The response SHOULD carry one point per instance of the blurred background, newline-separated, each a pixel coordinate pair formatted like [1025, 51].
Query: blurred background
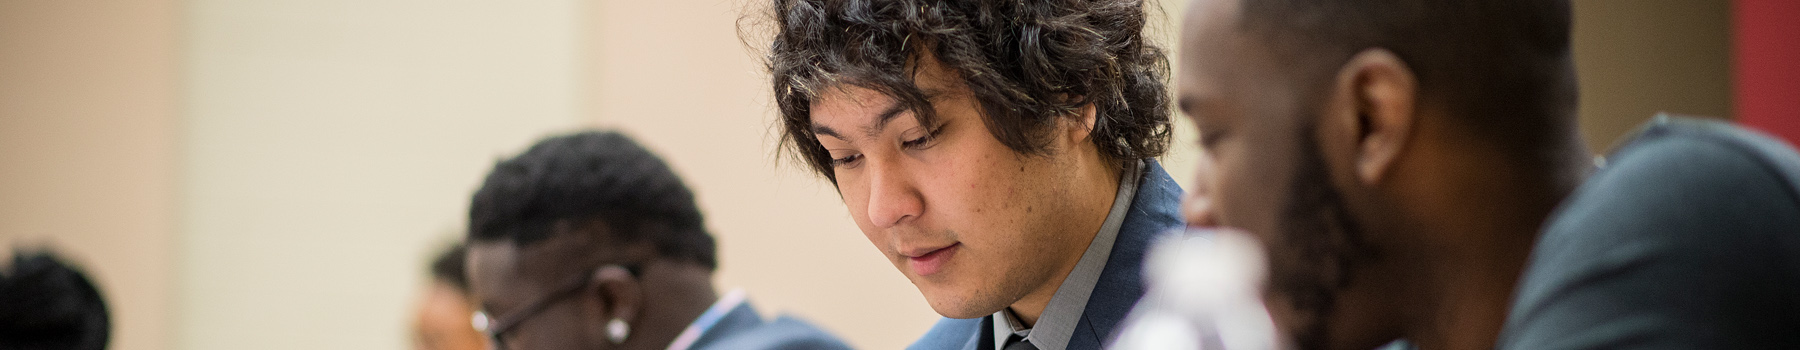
[276, 174]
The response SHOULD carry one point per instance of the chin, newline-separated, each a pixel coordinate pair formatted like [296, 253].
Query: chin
[952, 303]
[953, 309]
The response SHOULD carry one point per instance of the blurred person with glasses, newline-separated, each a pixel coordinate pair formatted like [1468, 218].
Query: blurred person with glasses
[589, 241]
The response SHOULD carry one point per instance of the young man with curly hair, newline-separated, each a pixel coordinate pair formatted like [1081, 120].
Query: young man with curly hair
[998, 153]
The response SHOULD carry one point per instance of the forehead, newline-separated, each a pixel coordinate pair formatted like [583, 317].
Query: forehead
[847, 105]
[493, 267]
[836, 105]
[501, 270]
[1208, 45]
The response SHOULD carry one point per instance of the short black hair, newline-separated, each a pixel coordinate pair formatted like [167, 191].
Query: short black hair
[449, 268]
[1502, 67]
[47, 304]
[1030, 64]
[591, 176]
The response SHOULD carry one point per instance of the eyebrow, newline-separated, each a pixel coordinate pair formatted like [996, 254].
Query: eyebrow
[881, 120]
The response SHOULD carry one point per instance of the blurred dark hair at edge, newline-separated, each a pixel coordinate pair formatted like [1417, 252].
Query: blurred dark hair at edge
[47, 304]
[448, 267]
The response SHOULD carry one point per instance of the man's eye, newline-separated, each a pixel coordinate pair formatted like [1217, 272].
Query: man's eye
[846, 161]
[1210, 137]
[915, 143]
[922, 141]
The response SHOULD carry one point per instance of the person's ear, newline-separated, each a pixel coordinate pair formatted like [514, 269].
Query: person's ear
[615, 299]
[1083, 127]
[1381, 93]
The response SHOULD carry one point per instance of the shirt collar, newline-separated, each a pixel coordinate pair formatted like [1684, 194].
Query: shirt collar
[708, 319]
[1058, 321]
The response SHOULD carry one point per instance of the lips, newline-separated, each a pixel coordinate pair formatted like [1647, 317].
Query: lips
[929, 262]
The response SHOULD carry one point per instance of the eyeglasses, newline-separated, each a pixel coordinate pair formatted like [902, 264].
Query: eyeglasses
[497, 327]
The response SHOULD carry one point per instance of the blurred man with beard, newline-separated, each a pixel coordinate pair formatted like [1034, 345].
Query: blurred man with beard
[1400, 158]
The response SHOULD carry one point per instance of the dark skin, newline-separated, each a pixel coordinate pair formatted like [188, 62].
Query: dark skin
[1438, 220]
[658, 303]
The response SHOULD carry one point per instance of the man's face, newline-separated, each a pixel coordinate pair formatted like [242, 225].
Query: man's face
[1262, 168]
[973, 224]
[506, 277]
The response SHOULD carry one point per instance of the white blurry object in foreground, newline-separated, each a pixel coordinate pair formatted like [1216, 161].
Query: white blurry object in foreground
[1204, 293]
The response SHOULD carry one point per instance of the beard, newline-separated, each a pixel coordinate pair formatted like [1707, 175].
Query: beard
[1318, 245]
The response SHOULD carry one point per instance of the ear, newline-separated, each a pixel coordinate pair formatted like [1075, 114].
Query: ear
[614, 294]
[1382, 94]
[1083, 127]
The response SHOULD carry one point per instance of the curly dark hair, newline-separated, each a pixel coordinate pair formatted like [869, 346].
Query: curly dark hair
[592, 176]
[1030, 63]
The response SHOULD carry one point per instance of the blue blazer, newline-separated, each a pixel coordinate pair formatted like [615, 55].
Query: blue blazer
[743, 329]
[1155, 210]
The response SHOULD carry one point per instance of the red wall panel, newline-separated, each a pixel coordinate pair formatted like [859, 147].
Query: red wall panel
[1766, 65]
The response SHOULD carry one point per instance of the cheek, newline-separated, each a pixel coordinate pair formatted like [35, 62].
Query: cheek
[854, 191]
[1246, 191]
[972, 193]
[855, 194]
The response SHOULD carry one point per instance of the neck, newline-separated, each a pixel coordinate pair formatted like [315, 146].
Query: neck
[673, 299]
[1468, 282]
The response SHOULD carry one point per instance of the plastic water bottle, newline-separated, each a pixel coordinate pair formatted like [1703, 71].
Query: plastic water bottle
[1204, 293]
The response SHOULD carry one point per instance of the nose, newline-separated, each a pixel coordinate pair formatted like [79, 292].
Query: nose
[1197, 210]
[1198, 207]
[892, 195]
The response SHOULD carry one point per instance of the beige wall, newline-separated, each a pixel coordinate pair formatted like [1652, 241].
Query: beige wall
[329, 146]
[87, 148]
[1637, 58]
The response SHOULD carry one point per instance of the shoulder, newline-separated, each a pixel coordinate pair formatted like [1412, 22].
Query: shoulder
[1682, 177]
[1689, 238]
[1155, 209]
[1682, 180]
[784, 332]
[1157, 194]
[950, 333]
